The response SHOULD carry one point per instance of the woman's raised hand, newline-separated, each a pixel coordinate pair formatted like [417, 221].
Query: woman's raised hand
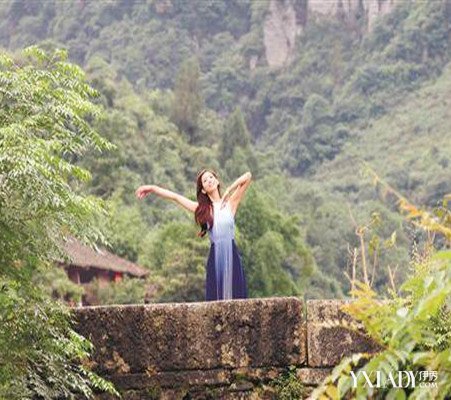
[144, 190]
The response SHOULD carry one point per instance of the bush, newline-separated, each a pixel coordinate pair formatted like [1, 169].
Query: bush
[413, 327]
[45, 106]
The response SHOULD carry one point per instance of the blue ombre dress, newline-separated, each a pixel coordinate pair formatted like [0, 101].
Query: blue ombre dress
[225, 274]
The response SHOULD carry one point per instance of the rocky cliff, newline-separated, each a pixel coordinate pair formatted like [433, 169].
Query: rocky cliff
[287, 19]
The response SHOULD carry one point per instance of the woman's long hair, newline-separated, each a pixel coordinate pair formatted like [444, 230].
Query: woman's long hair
[203, 214]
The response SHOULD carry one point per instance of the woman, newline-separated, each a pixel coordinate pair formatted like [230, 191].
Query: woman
[215, 215]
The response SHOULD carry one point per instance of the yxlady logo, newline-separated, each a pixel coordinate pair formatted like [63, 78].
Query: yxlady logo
[401, 379]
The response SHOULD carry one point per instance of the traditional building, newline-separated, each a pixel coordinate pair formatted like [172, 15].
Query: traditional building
[85, 264]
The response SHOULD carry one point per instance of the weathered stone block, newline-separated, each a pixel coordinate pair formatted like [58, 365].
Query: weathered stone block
[217, 350]
[312, 376]
[147, 339]
[172, 379]
[327, 344]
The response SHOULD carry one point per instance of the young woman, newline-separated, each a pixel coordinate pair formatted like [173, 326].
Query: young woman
[215, 215]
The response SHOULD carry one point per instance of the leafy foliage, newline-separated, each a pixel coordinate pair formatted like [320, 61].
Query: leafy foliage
[177, 260]
[348, 94]
[413, 327]
[187, 103]
[41, 354]
[45, 108]
[126, 291]
[274, 255]
[235, 151]
[287, 386]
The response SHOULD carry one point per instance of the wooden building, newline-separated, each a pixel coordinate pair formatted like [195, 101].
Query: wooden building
[85, 264]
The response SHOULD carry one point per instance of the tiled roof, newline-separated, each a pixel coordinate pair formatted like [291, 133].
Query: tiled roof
[85, 257]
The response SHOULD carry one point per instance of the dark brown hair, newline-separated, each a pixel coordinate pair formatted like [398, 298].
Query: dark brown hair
[203, 214]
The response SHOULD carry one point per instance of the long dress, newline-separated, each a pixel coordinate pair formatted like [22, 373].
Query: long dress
[225, 275]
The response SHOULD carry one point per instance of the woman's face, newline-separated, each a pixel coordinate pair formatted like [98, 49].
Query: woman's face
[209, 182]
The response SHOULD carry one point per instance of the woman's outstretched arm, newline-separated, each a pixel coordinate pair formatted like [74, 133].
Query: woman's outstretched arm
[144, 190]
[234, 193]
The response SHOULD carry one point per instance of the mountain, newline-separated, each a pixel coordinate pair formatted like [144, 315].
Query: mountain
[312, 88]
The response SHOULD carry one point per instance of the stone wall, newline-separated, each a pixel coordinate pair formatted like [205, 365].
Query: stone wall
[216, 350]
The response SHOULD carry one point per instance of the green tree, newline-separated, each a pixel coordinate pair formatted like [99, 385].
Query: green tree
[177, 259]
[187, 103]
[127, 291]
[235, 151]
[235, 135]
[131, 49]
[45, 106]
[275, 257]
[412, 326]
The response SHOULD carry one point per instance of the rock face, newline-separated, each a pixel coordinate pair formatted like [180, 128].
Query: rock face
[280, 30]
[222, 349]
[349, 9]
[286, 20]
[377, 8]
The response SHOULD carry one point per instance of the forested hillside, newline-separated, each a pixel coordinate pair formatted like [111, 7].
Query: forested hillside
[191, 84]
